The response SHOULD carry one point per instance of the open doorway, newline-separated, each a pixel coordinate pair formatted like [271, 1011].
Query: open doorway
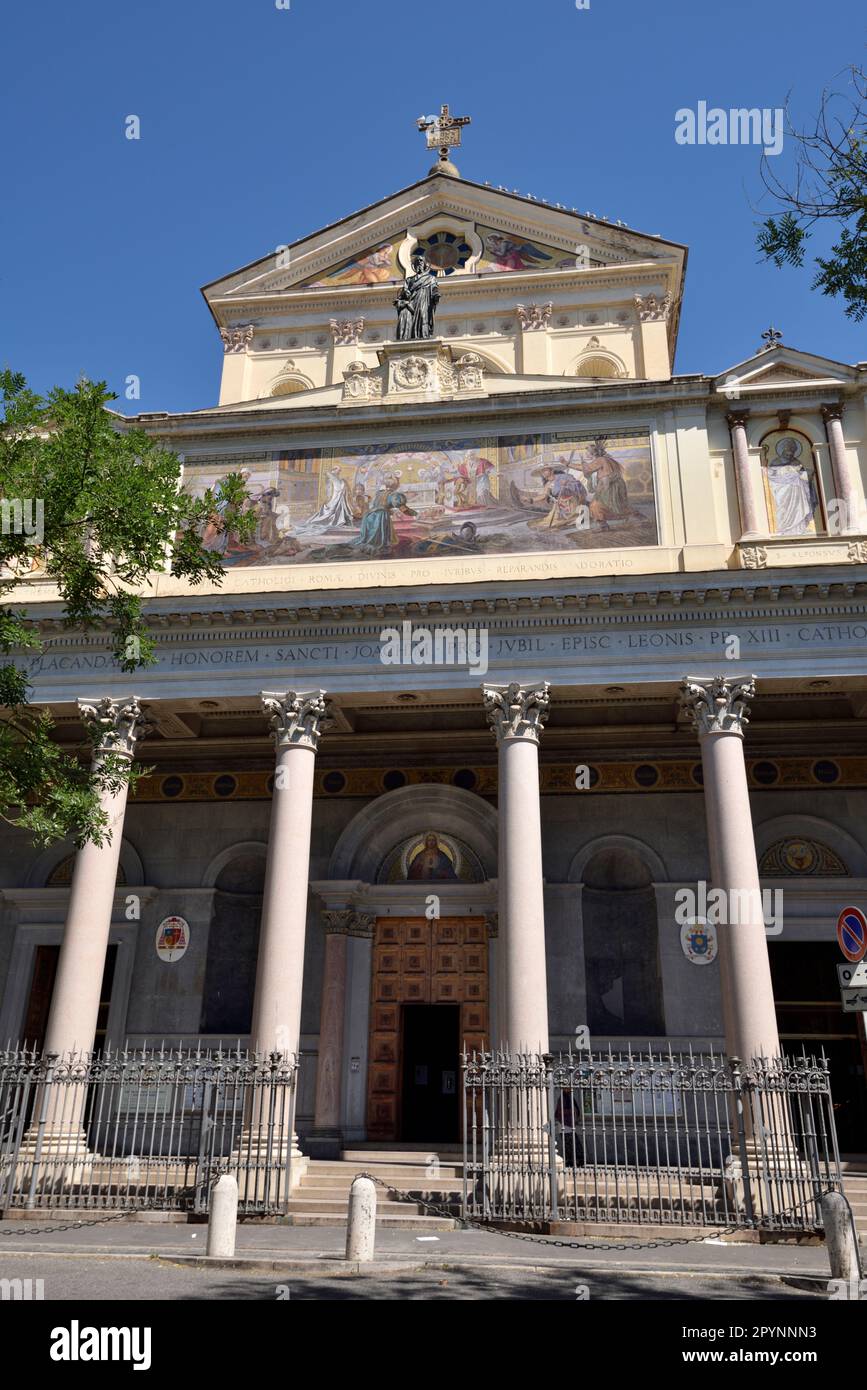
[431, 1073]
[809, 1015]
[42, 991]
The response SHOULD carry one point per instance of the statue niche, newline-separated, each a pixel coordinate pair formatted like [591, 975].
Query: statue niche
[417, 302]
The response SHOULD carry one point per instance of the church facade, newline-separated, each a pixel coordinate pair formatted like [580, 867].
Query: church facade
[537, 644]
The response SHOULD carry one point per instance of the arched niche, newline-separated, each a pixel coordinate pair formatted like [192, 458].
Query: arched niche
[380, 827]
[53, 868]
[598, 365]
[811, 829]
[238, 880]
[792, 483]
[621, 939]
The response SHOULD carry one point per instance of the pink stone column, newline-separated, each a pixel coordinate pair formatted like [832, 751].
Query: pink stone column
[329, 1069]
[74, 1010]
[843, 481]
[718, 708]
[296, 720]
[516, 714]
[749, 517]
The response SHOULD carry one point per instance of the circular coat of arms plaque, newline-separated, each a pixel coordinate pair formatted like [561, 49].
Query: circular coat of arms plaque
[698, 939]
[172, 939]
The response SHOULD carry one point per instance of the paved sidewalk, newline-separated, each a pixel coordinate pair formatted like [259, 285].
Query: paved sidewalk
[308, 1247]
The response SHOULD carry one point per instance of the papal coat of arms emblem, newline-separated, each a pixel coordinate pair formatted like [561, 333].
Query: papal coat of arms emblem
[698, 940]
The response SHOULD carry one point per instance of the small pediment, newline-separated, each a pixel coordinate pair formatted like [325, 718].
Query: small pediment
[781, 366]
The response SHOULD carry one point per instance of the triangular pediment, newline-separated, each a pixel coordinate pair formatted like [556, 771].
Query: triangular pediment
[467, 229]
[781, 366]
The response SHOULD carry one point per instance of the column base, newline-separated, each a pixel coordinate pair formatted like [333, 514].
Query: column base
[267, 1172]
[790, 1179]
[324, 1143]
[52, 1164]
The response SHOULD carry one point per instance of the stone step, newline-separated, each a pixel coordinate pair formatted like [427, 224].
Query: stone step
[341, 1186]
[390, 1172]
[313, 1201]
[412, 1222]
[395, 1157]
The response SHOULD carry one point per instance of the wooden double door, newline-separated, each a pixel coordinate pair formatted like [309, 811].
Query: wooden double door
[429, 1001]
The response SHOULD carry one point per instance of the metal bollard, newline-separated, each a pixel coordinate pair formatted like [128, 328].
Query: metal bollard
[840, 1238]
[223, 1217]
[361, 1228]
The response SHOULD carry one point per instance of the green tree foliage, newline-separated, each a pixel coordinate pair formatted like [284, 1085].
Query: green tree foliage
[829, 184]
[94, 507]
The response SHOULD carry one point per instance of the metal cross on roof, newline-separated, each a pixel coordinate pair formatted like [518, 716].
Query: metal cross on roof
[771, 338]
[443, 131]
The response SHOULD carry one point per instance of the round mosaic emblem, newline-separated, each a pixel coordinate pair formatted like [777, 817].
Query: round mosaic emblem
[799, 856]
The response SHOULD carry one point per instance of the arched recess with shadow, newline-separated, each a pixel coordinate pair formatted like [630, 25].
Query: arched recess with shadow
[364, 845]
[53, 868]
[621, 938]
[238, 880]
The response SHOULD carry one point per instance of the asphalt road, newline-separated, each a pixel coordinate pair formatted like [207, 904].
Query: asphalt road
[96, 1277]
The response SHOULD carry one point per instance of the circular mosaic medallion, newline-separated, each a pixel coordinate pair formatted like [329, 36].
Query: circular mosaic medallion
[446, 251]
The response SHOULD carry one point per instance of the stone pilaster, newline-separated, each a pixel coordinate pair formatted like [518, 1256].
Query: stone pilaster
[737, 421]
[844, 484]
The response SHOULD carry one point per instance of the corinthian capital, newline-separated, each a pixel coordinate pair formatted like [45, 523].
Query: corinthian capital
[716, 704]
[112, 725]
[297, 717]
[516, 711]
[337, 922]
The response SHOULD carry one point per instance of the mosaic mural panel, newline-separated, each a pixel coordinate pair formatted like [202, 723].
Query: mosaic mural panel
[374, 267]
[507, 495]
[504, 252]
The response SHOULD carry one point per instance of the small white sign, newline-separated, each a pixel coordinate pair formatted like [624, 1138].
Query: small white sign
[852, 975]
[172, 939]
[854, 1000]
[698, 941]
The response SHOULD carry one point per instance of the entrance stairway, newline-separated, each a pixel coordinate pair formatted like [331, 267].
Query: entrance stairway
[322, 1196]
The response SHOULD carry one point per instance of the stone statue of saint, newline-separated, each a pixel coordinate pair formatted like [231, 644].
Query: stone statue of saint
[416, 304]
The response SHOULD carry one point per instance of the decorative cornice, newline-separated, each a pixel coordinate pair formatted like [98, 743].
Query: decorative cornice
[824, 592]
[717, 704]
[596, 279]
[296, 717]
[516, 711]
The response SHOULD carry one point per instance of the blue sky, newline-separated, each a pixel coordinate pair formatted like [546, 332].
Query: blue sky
[260, 124]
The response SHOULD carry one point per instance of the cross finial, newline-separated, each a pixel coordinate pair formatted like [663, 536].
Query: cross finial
[771, 338]
[443, 133]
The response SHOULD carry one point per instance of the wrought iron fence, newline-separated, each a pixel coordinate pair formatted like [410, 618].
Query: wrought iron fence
[651, 1138]
[150, 1128]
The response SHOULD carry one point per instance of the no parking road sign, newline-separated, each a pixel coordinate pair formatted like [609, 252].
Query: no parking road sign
[852, 933]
